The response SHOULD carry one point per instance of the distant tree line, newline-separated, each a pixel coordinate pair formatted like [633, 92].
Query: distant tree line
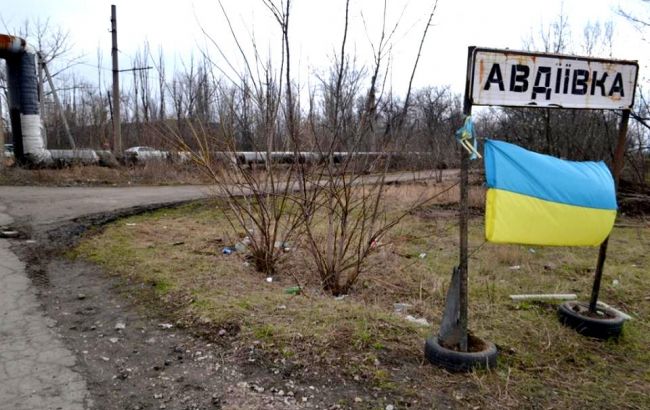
[159, 101]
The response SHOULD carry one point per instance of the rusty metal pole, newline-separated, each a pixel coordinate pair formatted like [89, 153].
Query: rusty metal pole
[464, 212]
[117, 130]
[617, 167]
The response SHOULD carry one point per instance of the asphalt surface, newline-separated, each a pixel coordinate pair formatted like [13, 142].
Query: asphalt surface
[36, 370]
[38, 206]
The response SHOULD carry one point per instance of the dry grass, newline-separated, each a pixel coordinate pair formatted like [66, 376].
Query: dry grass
[446, 193]
[360, 340]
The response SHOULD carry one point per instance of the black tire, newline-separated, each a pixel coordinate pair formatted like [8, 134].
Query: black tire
[460, 361]
[602, 328]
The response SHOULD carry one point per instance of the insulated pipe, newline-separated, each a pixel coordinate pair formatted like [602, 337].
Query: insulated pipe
[23, 103]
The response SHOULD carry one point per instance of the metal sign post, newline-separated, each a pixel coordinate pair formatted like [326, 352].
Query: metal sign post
[453, 329]
[525, 79]
[617, 167]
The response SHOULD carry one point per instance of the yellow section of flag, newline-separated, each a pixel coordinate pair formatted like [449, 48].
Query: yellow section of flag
[516, 218]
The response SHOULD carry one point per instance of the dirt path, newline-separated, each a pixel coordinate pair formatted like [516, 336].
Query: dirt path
[71, 339]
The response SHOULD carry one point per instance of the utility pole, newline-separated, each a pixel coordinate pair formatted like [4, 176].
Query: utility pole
[117, 131]
[41, 102]
[58, 103]
[2, 139]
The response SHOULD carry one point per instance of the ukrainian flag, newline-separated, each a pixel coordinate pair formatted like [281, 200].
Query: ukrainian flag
[537, 199]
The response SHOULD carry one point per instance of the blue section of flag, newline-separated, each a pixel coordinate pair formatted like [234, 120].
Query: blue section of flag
[512, 168]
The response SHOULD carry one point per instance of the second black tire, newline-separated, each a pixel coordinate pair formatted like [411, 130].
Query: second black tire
[608, 326]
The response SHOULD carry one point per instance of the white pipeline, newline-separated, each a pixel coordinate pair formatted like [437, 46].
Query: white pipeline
[33, 144]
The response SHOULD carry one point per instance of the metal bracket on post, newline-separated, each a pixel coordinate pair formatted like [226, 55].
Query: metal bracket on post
[451, 332]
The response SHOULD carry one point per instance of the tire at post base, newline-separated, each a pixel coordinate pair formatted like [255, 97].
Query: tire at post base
[604, 328]
[460, 361]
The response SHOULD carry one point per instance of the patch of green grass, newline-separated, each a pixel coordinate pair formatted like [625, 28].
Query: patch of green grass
[542, 363]
[163, 286]
[264, 332]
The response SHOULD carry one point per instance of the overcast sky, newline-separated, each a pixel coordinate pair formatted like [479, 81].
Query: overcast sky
[316, 30]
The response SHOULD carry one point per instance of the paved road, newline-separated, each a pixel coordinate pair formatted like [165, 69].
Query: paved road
[36, 370]
[39, 206]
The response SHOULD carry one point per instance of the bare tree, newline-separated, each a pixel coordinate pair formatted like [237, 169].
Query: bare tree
[354, 215]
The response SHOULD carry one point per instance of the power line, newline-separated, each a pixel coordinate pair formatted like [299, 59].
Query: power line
[135, 69]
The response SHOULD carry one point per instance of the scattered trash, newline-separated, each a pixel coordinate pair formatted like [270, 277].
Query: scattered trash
[282, 307]
[222, 332]
[158, 396]
[104, 358]
[166, 325]
[30, 241]
[240, 247]
[228, 250]
[545, 296]
[401, 308]
[294, 290]
[531, 250]
[10, 233]
[257, 388]
[420, 321]
[621, 313]
[120, 326]
[285, 246]
[340, 297]
[113, 339]
[515, 267]
[615, 282]
[131, 224]
[422, 255]
[390, 407]
[81, 296]
[269, 279]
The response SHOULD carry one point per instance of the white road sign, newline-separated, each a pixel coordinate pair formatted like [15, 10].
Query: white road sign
[515, 78]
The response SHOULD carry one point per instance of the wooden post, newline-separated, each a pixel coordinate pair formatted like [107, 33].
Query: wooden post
[117, 130]
[617, 167]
